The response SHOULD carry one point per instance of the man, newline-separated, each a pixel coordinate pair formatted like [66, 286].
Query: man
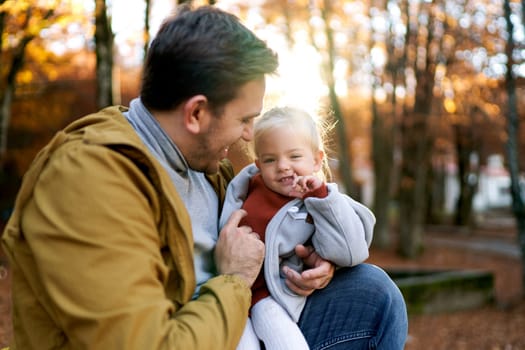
[113, 242]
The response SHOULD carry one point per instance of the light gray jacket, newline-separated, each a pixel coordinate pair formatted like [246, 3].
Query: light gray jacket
[341, 233]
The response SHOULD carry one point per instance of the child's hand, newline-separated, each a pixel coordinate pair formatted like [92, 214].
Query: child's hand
[302, 185]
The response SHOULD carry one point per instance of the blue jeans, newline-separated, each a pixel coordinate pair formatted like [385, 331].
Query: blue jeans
[361, 308]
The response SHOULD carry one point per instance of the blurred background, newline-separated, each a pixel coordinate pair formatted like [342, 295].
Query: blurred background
[426, 97]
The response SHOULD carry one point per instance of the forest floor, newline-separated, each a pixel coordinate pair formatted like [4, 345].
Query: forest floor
[499, 325]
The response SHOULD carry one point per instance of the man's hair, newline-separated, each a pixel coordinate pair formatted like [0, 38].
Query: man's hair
[202, 51]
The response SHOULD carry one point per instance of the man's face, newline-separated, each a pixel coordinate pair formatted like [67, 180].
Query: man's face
[234, 124]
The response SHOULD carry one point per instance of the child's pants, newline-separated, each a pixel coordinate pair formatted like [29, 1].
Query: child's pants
[270, 323]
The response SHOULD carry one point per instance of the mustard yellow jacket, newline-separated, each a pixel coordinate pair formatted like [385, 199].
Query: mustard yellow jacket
[101, 250]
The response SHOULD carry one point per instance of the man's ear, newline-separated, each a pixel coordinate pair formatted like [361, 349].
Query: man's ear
[196, 113]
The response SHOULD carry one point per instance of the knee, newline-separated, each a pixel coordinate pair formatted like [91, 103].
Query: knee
[376, 284]
[393, 318]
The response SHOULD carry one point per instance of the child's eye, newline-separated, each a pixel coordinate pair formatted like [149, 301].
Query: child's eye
[268, 160]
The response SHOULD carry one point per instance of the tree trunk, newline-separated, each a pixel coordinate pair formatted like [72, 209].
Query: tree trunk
[512, 146]
[436, 192]
[345, 158]
[467, 179]
[385, 133]
[5, 118]
[104, 53]
[383, 164]
[8, 92]
[416, 147]
[146, 29]
[3, 15]
[412, 186]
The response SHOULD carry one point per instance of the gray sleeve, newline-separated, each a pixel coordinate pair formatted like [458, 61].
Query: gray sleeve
[236, 193]
[343, 227]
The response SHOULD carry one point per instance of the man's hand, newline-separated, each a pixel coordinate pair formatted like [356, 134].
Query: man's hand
[317, 277]
[239, 250]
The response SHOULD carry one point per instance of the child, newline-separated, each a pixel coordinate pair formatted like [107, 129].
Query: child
[289, 203]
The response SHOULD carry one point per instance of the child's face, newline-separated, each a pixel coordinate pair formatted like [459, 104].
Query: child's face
[283, 154]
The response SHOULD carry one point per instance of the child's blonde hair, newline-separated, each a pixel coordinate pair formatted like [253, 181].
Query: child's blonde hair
[313, 129]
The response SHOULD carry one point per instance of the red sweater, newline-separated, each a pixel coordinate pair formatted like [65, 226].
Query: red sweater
[262, 204]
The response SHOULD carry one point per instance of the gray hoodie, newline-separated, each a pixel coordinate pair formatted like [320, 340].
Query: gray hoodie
[341, 233]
